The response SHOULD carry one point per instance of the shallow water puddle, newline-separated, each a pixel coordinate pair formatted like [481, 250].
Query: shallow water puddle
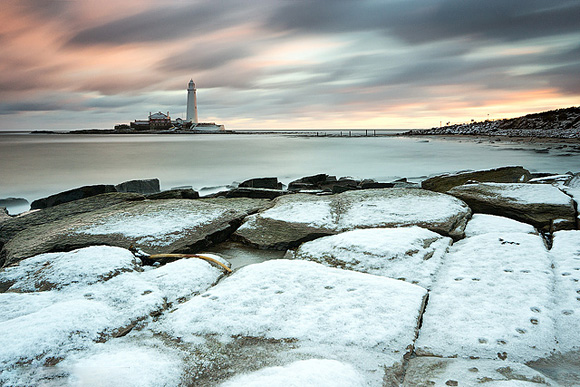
[240, 255]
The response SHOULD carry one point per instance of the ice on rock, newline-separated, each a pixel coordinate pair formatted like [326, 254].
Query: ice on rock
[432, 371]
[412, 254]
[304, 373]
[566, 255]
[361, 319]
[484, 224]
[125, 364]
[492, 299]
[80, 267]
[42, 326]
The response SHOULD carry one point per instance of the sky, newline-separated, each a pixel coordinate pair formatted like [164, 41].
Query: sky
[286, 64]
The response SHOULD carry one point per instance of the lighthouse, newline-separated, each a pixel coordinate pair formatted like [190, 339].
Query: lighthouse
[191, 103]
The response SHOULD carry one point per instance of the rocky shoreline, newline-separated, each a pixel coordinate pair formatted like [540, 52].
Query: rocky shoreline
[466, 278]
[562, 125]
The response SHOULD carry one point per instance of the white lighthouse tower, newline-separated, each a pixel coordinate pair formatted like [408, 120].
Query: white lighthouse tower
[191, 103]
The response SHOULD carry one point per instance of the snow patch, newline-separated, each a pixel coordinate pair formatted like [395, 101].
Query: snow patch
[485, 224]
[492, 299]
[412, 254]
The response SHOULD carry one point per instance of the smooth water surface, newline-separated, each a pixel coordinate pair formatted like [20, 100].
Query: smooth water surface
[37, 165]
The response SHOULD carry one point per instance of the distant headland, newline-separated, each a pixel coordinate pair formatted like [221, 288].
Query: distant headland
[562, 124]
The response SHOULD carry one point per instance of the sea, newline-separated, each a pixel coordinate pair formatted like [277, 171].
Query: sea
[35, 165]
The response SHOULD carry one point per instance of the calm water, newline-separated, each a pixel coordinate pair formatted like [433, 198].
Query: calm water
[33, 166]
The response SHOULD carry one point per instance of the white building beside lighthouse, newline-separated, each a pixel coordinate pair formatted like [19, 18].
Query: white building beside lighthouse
[191, 115]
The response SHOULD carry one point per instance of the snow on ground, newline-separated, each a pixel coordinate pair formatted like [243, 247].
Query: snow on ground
[433, 371]
[400, 207]
[411, 254]
[80, 267]
[566, 255]
[46, 326]
[492, 299]
[484, 224]
[529, 193]
[310, 210]
[124, 363]
[160, 227]
[361, 319]
[304, 373]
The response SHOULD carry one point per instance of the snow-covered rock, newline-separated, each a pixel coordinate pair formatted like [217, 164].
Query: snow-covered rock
[411, 254]
[566, 255]
[441, 372]
[485, 224]
[295, 219]
[156, 226]
[57, 270]
[281, 311]
[493, 298]
[41, 328]
[443, 183]
[536, 204]
[303, 373]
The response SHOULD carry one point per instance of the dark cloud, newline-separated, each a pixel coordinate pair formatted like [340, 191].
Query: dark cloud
[204, 57]
[423, 21]
[159, 24]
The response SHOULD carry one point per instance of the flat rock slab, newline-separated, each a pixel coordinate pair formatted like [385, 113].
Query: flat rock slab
[298, 218]
[411, 254]
[485, 224]
[282, 311]
[156, 226]
[14, 225]
[566, 255]
[537, 204]
[443, 183]
[493, 299]
[44, 327]
[440, 372]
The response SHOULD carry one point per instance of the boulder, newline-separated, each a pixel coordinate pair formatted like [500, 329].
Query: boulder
[176, 193]
[4, 214]
[537, 204]
[145, 187]
[492, 299]
[282, 311]
[155, 226]
[255, 193]
[411, 254]
[263, 182]
[14, 225]
[444, 183]
[436, 371]
[71, 195]
[298, 218]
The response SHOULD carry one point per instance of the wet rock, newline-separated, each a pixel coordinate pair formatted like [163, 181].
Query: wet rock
[371, 184]
[16, 205]
[311, 182]
[282, 311]
[298, 218]
[492, 299]
[145, 186]
[255, 193]
[264, 182]
[11, 227]
[434, 371]
[70, 195]
[536, 204]
[444, 183]
[178, 193]
[4, 214]
[411, 254]
[155, 226]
